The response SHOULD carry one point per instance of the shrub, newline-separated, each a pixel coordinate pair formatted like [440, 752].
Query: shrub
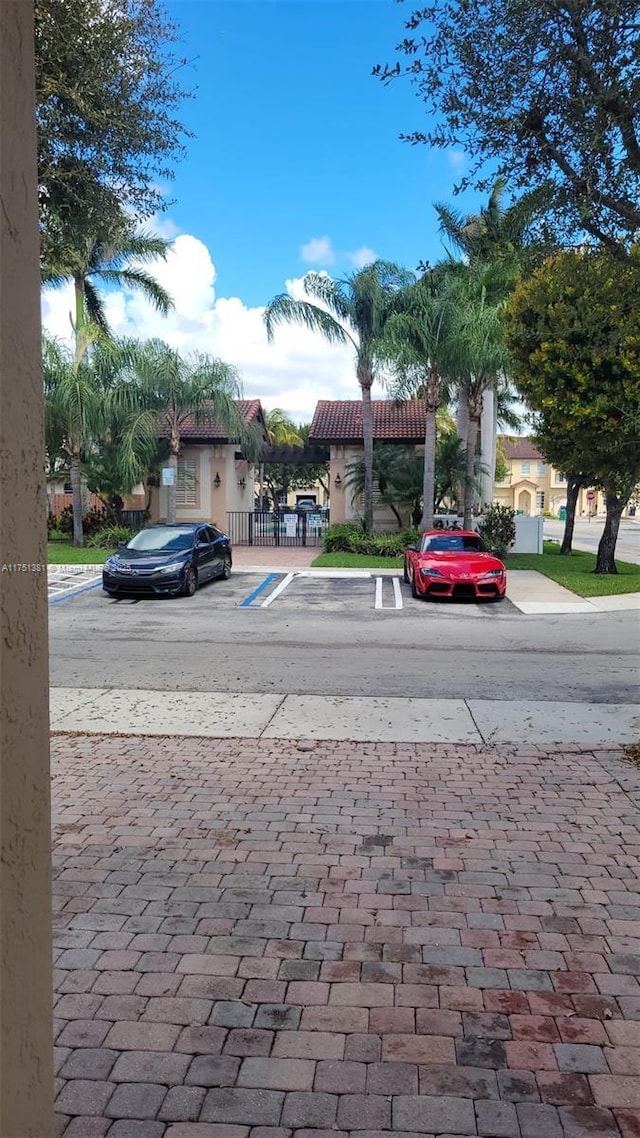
[91, 522]
[337, 538]
[497, 528]
[108, 537]
[347, 537]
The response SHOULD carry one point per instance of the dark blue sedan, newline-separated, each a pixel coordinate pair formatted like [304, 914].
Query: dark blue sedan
[168, 560]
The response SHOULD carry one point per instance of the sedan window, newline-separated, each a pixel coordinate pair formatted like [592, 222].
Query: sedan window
[160, 541]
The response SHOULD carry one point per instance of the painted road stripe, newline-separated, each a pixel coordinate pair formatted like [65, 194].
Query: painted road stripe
[397, 592]
[75, 591]
[378, 601]
[286, 581]
[256, 592]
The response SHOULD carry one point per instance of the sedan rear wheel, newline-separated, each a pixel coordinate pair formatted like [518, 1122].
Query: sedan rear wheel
[190, 582]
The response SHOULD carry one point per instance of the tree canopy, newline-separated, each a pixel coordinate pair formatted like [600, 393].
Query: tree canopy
[542, 92]
[107, 93]
[572, 330]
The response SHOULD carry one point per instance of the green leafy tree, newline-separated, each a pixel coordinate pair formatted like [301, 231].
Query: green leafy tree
[161, 390]
[75, 416]
[508, 233]
[573, 334]
[398, 478]
[451, 468]
[353, 311]
[108, 92]
[561, 111]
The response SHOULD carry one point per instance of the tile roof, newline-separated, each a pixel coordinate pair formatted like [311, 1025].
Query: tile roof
[340, 420]
[520, 448]
[190, 430]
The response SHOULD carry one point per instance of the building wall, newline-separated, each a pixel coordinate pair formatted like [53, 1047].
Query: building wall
[533, 477]
[210, 502]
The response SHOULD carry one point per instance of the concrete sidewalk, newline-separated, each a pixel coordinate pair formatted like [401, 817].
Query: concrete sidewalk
[310, 717]
[362, 941]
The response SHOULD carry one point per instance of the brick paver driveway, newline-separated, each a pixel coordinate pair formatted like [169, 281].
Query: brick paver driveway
[265, 939]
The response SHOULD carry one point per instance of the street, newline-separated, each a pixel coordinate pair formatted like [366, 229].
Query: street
[586, 535]
[327, 637]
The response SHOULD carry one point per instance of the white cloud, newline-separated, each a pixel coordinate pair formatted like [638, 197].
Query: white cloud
[318, 251]
[362, 256]
[294, 371]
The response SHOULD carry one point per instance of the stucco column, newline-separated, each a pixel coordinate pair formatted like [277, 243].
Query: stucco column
[487, 446]
[26, 1082]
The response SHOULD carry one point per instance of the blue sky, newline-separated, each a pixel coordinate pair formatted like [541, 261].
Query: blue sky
[295, 139]
[296, 164]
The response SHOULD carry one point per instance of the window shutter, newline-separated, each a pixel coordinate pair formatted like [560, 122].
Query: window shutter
[186, 483]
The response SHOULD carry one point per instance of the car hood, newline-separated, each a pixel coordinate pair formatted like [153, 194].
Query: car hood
[457, 563]
[143, 559]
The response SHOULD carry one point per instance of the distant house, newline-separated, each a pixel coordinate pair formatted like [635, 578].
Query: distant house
[337, 423]
[532, 486]
[214, 478]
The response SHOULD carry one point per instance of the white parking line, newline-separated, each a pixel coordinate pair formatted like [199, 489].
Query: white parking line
[278, 589]
[397, 594]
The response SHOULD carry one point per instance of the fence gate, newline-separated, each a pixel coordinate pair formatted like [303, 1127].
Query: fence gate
[285, 527]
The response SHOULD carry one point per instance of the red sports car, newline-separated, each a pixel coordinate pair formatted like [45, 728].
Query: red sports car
[454, 564]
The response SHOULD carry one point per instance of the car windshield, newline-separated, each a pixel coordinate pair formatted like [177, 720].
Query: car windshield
[451, 543]
[161, 540]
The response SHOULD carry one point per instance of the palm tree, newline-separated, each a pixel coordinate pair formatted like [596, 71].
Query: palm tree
[416, 349]
[477, 354]
[398, 475]
[75, 415]
[354, 311]
[168, 389]
[110, 257]
[507, 235]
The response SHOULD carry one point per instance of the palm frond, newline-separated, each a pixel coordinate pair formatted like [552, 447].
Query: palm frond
[283, 309]
[140, 281]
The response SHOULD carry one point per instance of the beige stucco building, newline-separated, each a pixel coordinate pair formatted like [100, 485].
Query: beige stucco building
[533, 486]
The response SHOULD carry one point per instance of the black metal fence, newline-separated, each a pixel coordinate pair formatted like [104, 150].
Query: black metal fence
[283, 527]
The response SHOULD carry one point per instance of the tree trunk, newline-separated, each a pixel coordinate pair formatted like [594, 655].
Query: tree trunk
[171, 490]
[470, 466]
[81, 342]
[605, 561]
[367, 439]
[429, 477]
[261, 487]
[75, 476]
[573, 489]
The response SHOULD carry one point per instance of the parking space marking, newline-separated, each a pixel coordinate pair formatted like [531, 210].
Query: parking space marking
[286, 581]
[248, 600]
[397, 595]
[75, 591]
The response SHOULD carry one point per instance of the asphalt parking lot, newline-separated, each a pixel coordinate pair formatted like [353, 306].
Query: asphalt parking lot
[351, 595]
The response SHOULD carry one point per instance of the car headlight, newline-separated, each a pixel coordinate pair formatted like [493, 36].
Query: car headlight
[174, 567]
[431, 573]
[493, 573]
[111, 563]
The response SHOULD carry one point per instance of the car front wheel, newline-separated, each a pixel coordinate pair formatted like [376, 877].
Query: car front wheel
[404, 572]
[414, 588]
[226, 567]
[190, 582]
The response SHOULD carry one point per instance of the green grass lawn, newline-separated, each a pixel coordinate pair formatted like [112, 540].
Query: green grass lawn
[355, 561]
[64, 553]
[574, 572]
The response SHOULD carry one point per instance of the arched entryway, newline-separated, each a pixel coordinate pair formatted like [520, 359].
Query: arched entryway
[524, 501]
